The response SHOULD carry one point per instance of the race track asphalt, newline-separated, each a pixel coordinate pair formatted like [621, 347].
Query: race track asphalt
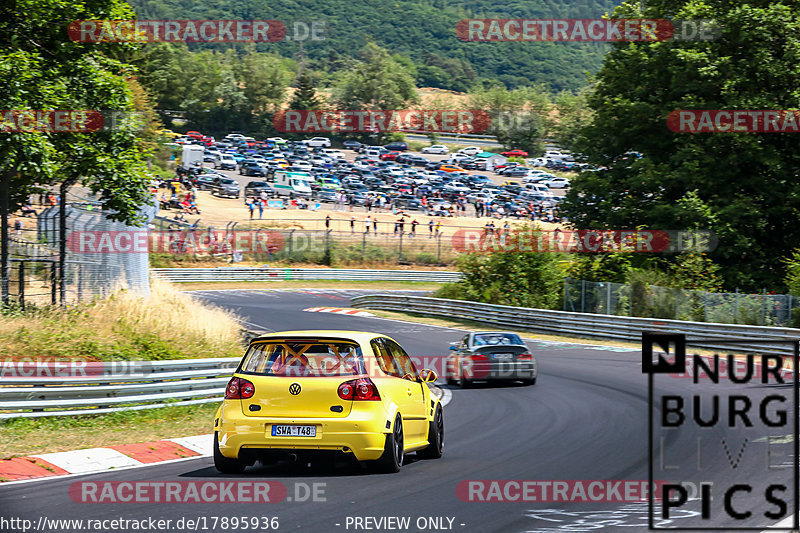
[585, 419]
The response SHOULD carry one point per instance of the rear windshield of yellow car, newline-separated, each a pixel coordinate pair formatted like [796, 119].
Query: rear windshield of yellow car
[303, 358]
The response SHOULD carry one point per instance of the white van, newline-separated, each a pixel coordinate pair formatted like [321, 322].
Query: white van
[292, 184]
[224, 161]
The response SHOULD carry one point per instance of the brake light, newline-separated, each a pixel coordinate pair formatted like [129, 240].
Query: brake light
[478, 357]
[239, 389]
[362, 389]
[525, 357]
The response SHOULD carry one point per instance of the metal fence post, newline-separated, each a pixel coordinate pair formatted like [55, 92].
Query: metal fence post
[583, 295]
[22, 285]
[439, 249]
[53, 282]
[789, 312]
[564, 304]
[705, 306]
[736, 307]
[608, 299]
[364, 246]
[764, 307]
[291, 238]
[400, 249]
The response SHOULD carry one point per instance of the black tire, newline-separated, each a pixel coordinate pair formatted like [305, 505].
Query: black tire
[529, 381]
[226, 465]
[435, 437]
[393, 453]
[463, 382]
[451, 381]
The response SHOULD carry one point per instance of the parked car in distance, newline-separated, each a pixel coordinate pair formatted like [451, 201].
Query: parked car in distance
[255, 188]
[470, 150]
[223, 186]
[398, 146]
[436, 149]
[352, 145]
[515, 153]
[318, 142]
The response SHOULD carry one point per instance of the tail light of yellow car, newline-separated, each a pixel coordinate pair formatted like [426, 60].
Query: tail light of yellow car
[239, 389]
[361, 389]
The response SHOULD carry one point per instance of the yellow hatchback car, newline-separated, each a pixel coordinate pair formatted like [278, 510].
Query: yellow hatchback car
[301, 393]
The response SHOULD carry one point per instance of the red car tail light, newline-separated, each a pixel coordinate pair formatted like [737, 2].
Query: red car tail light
[239, 389]
[525, 357]
[362, 389]
[478, 357]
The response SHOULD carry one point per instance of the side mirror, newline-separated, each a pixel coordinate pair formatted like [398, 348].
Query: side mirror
[453, 348]
[426, 375]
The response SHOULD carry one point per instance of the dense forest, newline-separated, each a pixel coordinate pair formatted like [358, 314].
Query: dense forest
[421, 30]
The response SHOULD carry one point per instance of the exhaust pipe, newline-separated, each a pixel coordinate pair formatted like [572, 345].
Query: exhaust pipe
[293, 457]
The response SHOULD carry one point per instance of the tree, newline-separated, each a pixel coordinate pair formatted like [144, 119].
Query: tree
[750, 183]
[41, 69]
[376, 82]
[573, 114]
[305, 95]
[518, 117]
[525, 279]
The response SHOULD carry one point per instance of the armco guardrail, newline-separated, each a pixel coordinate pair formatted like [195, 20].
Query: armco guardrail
[185, 275]
[38, 390]
[713, 336]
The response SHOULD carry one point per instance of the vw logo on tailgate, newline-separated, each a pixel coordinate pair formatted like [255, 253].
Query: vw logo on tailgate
[294, 389]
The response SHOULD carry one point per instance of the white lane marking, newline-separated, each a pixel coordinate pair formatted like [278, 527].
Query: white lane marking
[89, 460]
[202, 444]
[338, 311]
[139, 465]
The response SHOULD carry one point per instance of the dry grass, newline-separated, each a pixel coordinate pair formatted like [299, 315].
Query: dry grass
[165, 325]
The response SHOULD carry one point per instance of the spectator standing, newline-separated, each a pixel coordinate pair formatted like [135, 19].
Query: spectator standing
[375, 226]
[414, 227]
[352, 224]
[327, 222]
[430, 229]
[367, 223]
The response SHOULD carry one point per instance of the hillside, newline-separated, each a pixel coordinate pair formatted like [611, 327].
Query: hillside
[422, 30]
